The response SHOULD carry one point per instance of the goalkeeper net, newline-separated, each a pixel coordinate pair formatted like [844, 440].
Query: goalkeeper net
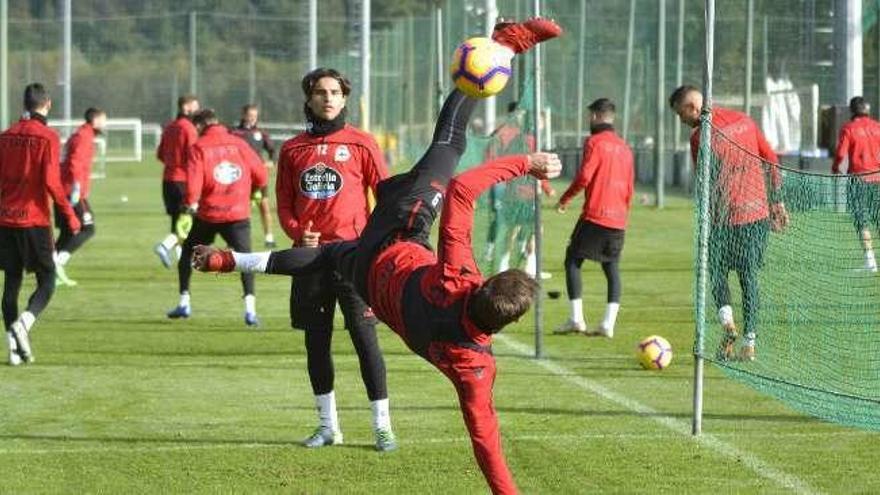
[504, 220]
[806, 292]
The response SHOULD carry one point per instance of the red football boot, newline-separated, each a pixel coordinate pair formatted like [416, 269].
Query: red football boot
[522, 36]
[208, 259]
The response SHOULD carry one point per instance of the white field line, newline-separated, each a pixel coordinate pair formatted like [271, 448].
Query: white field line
[680, 427]
[158, 445]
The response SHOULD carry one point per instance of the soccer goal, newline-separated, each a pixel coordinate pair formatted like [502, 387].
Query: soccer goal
[123, 138]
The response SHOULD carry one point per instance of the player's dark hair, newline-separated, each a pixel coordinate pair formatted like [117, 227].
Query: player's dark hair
[312, 78]
[205, 117]
[501, 300]
[859, 106]
[248, 107]
[185, 100]
[602, 106]
[91, 113]
[680, 93]
[35, 96]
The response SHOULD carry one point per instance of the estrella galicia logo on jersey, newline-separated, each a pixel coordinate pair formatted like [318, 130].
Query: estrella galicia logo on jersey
[320, 182]
[342, 153]
[227, 173]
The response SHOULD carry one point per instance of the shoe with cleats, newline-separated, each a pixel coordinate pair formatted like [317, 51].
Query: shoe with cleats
[747, 353]
[323, 437]
[21, 335]
[571, 327]
[522, 36]
[180, 312]
[385, 440]
[728, 340]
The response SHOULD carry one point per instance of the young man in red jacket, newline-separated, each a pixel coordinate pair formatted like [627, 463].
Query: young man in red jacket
[76, 176]
[606, 176]
[439, 303]
[326, 178]
[29, 175]
[259, 140]
[859, 144]
[177, 137]
[222, 173]
[743, 209]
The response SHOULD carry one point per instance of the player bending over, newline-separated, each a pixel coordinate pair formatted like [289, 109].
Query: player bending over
[438, 303]
[29, 175]
[76, 176]
[743, 212]
[606, 177]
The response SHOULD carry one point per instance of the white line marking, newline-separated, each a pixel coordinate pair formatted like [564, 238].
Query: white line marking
[681, 427]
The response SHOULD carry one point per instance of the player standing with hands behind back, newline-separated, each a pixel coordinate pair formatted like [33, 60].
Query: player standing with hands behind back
[606, 177]
[29, 175]
[326, 179]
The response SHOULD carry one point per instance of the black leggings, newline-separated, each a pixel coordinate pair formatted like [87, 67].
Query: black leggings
[573, 278]
[38, 300]
[748, 282]
[320, 359]
[237, 236]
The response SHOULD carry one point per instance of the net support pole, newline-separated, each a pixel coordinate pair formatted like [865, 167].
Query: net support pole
[366, 19]
[539, 241]
[490, 103]
[660, 131]
[627, 86]
[4, 63]
[313, 34]
[750, 48]
[193, 53]
[438, 33]
[66, 71]
[703, 225]
[848, 43]
[252, 76]
[679, 69]
[582, 39]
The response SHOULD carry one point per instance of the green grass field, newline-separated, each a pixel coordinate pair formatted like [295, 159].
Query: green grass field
[122, 400]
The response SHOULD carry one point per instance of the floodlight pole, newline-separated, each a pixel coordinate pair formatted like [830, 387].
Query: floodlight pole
[193, 54]
[491, 16]
[627, 86]
[703, 164]
[581, 69]
[67, 39]
[750, 48]
[4, 63]
[848, 45]
[313, 34]
[660, 131]
[539, 241]
[366, 19]
[252, 76]
[679, 69]
[440, 52]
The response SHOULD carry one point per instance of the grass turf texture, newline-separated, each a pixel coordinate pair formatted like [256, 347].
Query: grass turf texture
[123, 400]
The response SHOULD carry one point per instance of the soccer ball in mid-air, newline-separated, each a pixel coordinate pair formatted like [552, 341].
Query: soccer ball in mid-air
[654, 353]
[481, 67]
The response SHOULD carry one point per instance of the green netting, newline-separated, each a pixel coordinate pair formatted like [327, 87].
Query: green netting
[806, 292]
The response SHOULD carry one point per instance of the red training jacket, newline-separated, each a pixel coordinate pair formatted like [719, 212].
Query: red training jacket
[77, 165]
[30, 174]
[448, 280]
[177, 136]
[746, 159]
[606, 176]
[327, 180]
[222, 173]
[859, 141]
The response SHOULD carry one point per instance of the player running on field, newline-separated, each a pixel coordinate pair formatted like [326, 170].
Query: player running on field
[743, 210]
[606, 176]
[438, 303]
[326, 180]
[859, 144]
[222, 173]
[29, 175]
[177, 137]
[248, 129]
[76, 176]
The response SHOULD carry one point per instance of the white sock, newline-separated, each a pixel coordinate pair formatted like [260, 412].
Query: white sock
[531, 264]
[10, 342]
[750, 339]
[270, 237]
[28, 319]
[381, 415]
[610, 318]
[61, 258]
[577, 310]
[504, 262]
[184, 299]
[725, 315]
[178, 251]
[170, 242]
[251, 262]
[327, 416]
[250, 304]
[870, 261]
